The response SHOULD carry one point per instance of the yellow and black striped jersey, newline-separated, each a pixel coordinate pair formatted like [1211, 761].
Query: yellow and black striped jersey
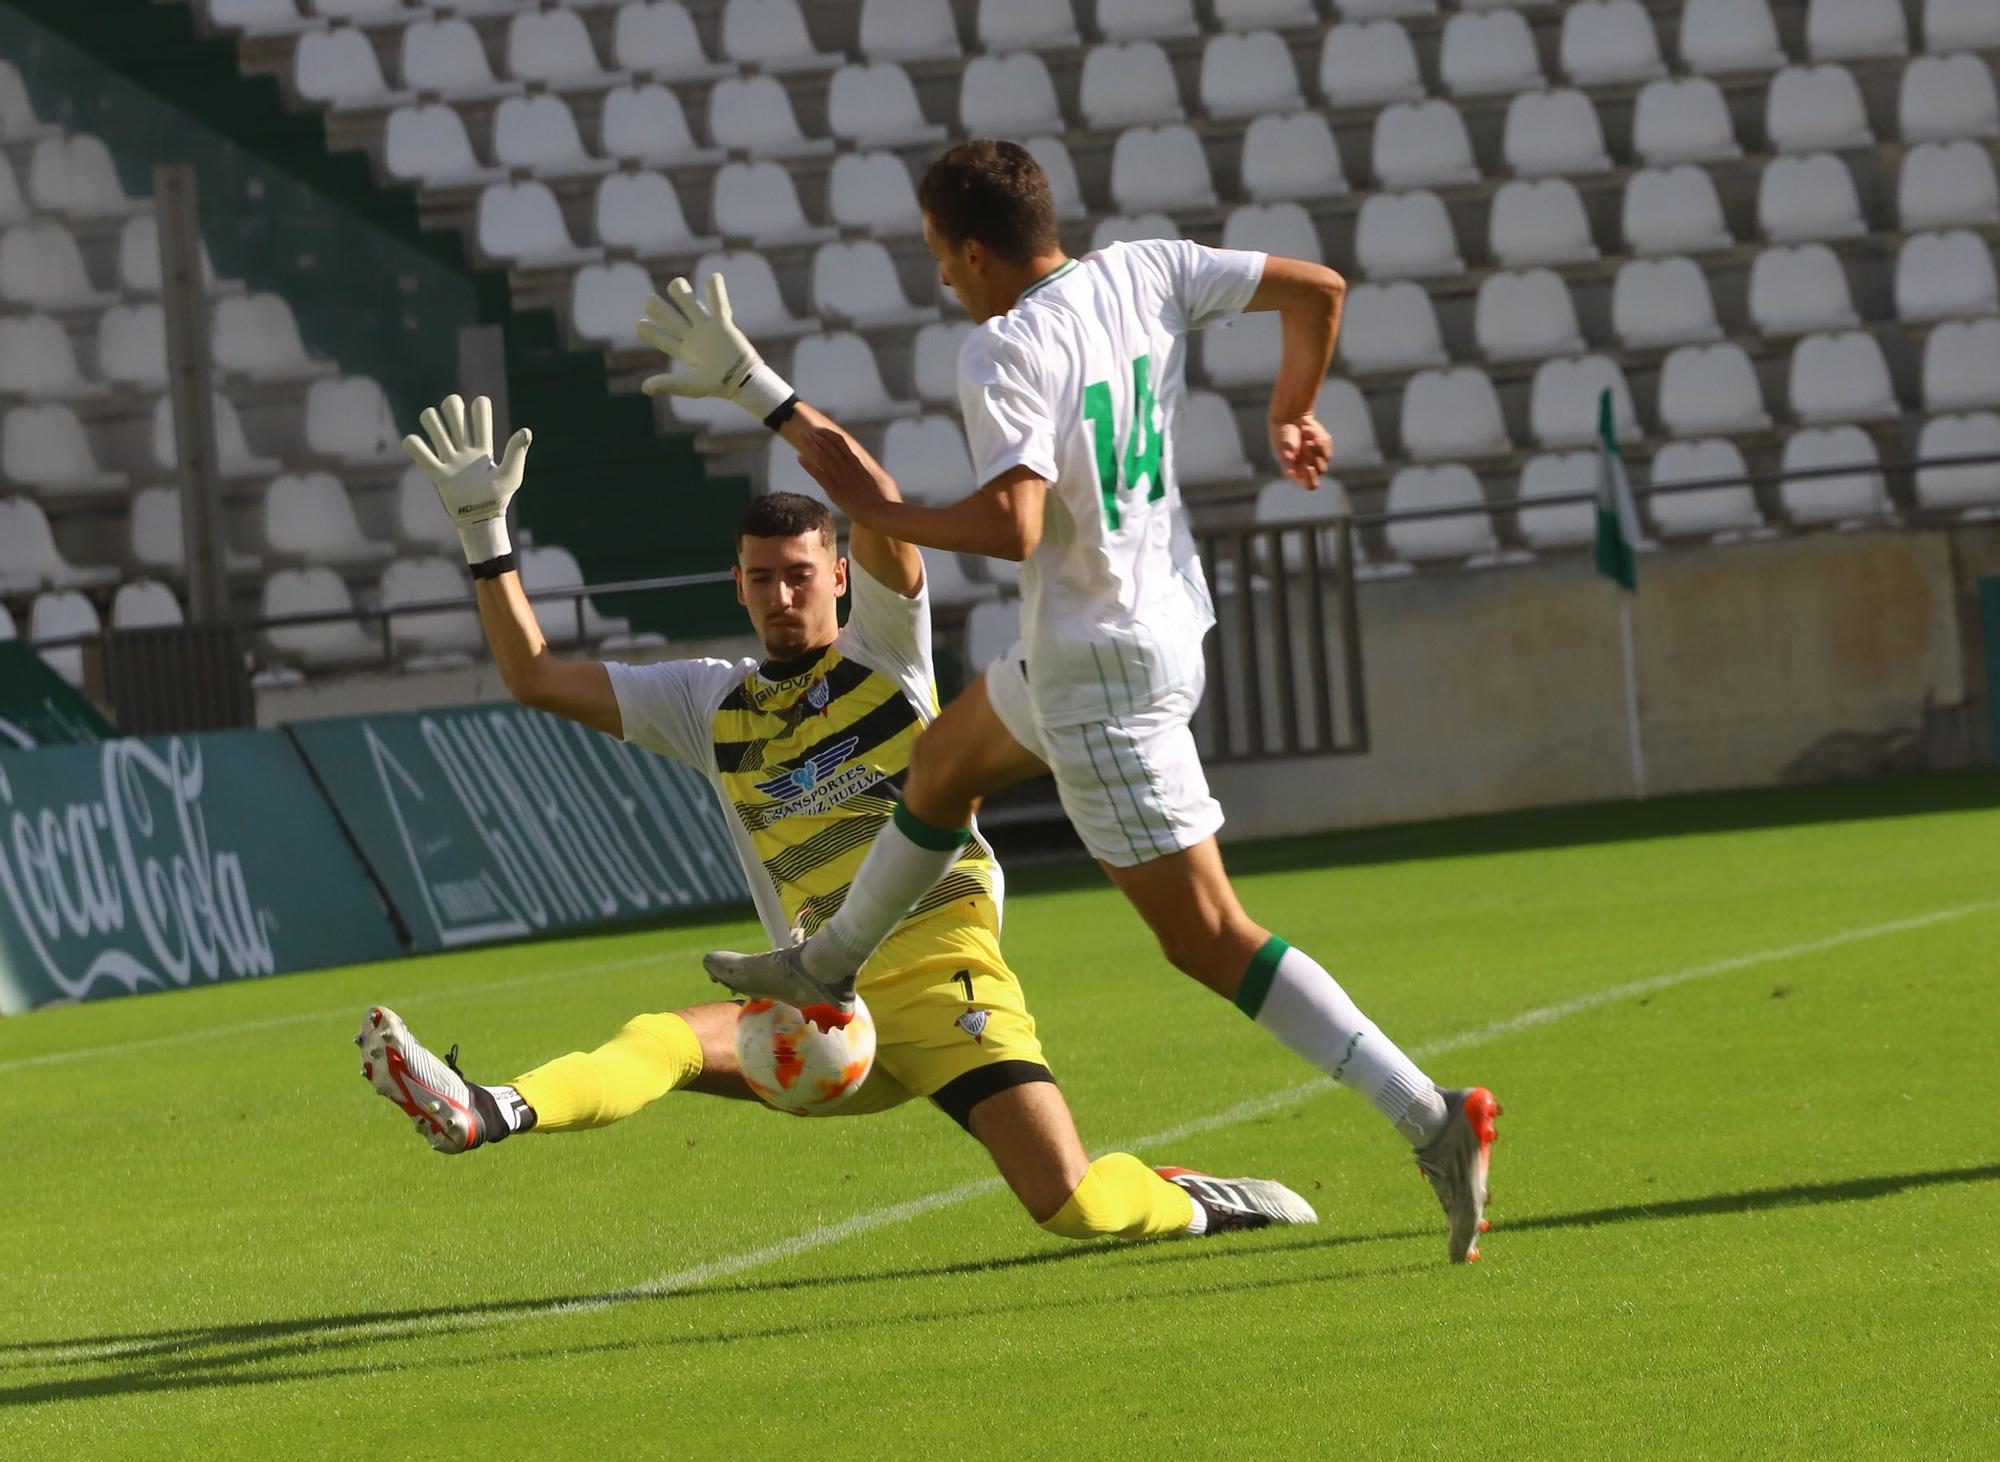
[807, 756]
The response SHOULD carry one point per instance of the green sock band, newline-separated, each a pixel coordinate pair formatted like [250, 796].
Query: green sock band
[1257, 979]
[937, 839]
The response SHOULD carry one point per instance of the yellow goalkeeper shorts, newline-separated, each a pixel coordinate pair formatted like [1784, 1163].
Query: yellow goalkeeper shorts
[951, 1022]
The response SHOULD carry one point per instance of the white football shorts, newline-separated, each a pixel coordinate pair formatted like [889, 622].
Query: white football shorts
[1134, 789]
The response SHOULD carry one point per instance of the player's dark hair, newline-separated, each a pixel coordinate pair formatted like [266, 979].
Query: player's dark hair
[785, 515]
[996, 193]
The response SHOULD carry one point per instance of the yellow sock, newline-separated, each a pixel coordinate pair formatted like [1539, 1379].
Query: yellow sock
[1120, 1197]
[651, 1056]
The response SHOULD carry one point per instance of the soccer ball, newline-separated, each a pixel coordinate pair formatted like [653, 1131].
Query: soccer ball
[797, 1067]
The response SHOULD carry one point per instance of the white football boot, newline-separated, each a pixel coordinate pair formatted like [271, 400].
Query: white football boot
[1455, 1162]
[781, 975]
[437, 1098]
[1240, 1203]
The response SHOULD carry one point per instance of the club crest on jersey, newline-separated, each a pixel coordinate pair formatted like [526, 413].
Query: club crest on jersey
[819, 696]
[973, 1023]
[801, 779]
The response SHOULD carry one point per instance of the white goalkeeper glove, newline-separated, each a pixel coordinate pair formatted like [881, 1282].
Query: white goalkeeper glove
[719, 358]
[473, 488]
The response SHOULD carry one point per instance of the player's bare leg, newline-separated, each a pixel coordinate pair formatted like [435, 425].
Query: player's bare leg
[1193, 910]
[1032, 1138]
[966, 754]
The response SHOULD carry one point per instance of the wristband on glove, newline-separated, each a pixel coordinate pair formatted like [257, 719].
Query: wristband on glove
[493, 568]
[484, 540]
[764, 394]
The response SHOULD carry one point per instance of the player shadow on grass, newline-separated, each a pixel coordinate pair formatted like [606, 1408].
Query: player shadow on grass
[162, 1366]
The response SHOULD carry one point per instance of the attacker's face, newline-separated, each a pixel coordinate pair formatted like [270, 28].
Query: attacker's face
[791, 586]
[962, 268]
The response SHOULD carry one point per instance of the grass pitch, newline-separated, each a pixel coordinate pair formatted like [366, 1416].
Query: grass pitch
[1746, 1208]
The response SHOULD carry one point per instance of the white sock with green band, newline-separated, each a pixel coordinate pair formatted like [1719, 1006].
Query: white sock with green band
[1287, 993]
[909, 856]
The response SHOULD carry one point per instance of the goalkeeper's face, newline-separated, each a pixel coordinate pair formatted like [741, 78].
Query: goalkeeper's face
[792, 587]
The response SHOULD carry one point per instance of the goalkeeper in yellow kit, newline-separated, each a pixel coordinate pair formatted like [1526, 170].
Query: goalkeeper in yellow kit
[806, 750]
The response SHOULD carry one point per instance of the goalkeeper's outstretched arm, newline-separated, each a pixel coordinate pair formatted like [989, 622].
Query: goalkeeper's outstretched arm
[475, 489]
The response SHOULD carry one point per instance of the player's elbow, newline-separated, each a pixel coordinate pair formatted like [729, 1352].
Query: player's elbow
[1022, 539]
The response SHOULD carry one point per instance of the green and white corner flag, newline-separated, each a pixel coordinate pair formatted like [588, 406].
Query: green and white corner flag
[1617, 515]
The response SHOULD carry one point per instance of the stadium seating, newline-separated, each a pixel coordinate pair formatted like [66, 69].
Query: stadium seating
[1406, 235]
[1608, 41]
[1723, 513]
[1722, 36]
[1450, 414]
[1683, 119]
[1851, 499]
[1673, 210]
[1816, 108]
[1941, 276]
[1060, 169]
[928, 458]
[754, 114]
[1014, 25]
[1208, 448]
[659, 39]
[522, 224]
[57, 614]
[340, 68]
[908, 30]
[1244, 74]
[436, 638]
[1947, 97]
[1553, 132]
[1160, 167]
[1345, 415]
[1129, 20]
[308, 517]
[1661, 302]
[1368, 63]
[348, 419]
[46, 446]
[1291, 155]
[145, 604]
[640, 213]
[1809, 197]
[38, 363]
[1558, 525]
[1942, 183]
[29, 558]
[1466, 536]
[1798, 289]
[1840, 376]
[1390, 327]
[1002, 96]
[1708, 389]
[1422, 145]
[647, 124]
[1129, 83]
[1961, 370]
[991, 629]
[1858, 29]
[1525, 315]
[1952, 24]
[1539, 222]
[756, 202]
[1973, 489]
[876, 106]
[1482, 53]
[857, 282]
[1563, 402]
[332, 645]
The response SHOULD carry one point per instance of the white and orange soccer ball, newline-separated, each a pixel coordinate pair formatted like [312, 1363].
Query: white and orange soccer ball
[797, 1067]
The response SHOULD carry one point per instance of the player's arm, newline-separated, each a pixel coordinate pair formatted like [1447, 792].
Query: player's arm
[1308, 298]
[475, 490]
[890, 558]
[1001, 520]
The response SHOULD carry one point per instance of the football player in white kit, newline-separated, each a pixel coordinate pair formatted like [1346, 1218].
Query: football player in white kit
[1069, 385]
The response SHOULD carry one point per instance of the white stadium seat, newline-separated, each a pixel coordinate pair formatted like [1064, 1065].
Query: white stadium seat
[1126, 228]
[17, 109]
[1343, 411]
[1128, 83]
[1962, 366]
[1855, 29]
[606, 302]
[232, 450]
[872, 192]
[1941, 183]
[1291, 156]
[1609, 41]
[440, 636]
[1816, 108]
[1563, 402]
[908, 30]
[42, 267]
[1943, 97]
[1724, 513]
[754, 114]
[1285, 229]
[1809, 197]
[429, 144]
[555, 567]
[647, 124]
[1710, 388]
[1251, 14]
[257, 335]
[1553, 132]
[1539, 222]
[1131, 20]
[145, 604]
[659, 39]
[1951, 25]
[1390, 327]
[538, 134]
[1026, 25]
[339, 68]
[858, 282]
[934, 361]
[1683, 119]
[444, 57]
[308, 516]
[256, 17]
[75, 176]
[349, 420]
[59, 614]
[37, 361]
[29, 558]
[640, 213]
[1160, 167]
[1840, 377]
[1800, 288]
[316, 590]
[139, 257]
[928, 458]
[46, 446]
[1060, 169]
[876, 106]
[153, 531]
[1525, 315]
[13, 207]
[419, 524]
[1422, 145]
[1558, 525]
[1973, 434]
[1673, 210]
[1722, 36]
[1466, 535]
[1208, 448]
[1852, 498]
[1003, 96]
[1244, 352]
[1482, 54]
[837, 372]
[1368, 63]
[1665, 301]
[552, 48]
[521, 223]
[1406, 236]
[756, 202]
[1244, 74]
[132, 346]
[1941, 276]
[1452, 413]
[770, 35]
[992, 628]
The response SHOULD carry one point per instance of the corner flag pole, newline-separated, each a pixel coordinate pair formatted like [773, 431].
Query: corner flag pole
[1617, 537]
[1632, 699]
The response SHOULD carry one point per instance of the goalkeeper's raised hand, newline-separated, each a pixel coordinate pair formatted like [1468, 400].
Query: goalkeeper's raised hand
[717, 359]
[474, 488]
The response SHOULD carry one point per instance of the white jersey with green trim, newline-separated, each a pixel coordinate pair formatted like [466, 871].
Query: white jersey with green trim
[1081, 383]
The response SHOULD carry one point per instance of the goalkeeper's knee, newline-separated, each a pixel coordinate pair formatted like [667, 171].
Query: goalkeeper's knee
[1120, 1197]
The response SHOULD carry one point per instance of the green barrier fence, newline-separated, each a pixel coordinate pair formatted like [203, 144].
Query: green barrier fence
[494, 822]
[136, 865]
[39, 708]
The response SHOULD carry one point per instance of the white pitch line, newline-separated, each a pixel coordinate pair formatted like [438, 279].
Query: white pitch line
[415, 997]
[1277, 1101]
